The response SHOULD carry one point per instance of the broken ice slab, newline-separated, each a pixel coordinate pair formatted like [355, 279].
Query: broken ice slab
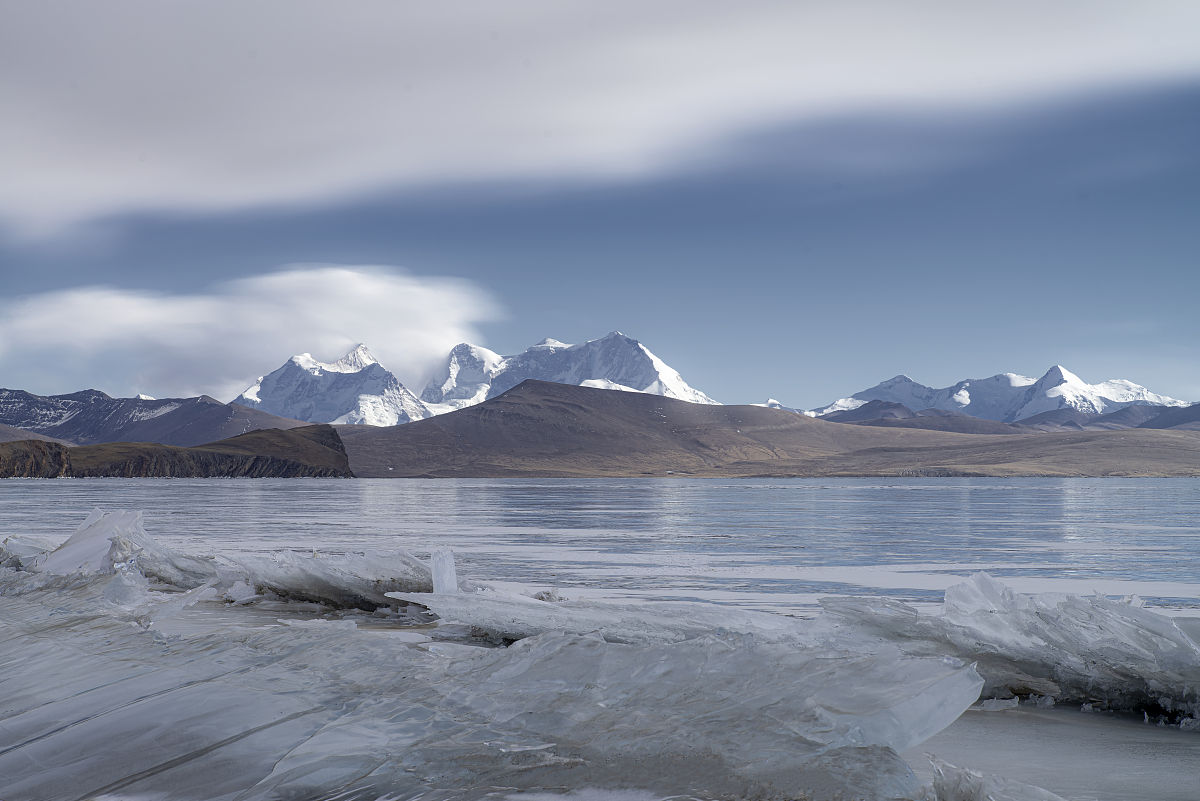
[445, 578]
[1075, 648]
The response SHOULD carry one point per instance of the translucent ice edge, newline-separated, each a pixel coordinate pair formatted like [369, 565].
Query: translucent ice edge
[116, 542]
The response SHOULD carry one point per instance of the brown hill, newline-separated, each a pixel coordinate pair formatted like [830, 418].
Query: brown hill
[312, 451]
[542, 429]
[1178, 418]
[14, 434]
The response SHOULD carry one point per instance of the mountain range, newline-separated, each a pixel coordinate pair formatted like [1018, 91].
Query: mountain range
[551, 429]
[358, 389]
[1008, 397]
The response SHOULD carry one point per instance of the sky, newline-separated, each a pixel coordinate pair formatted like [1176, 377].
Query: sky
[793, 200]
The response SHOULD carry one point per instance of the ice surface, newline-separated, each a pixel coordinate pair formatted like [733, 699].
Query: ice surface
[304, 706]
[959, 784]
[135, 670]
[508, 616]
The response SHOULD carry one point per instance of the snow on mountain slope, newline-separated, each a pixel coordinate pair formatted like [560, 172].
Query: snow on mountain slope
[1008, 397]
[473, 374]
[354, 389]
[774, 404]
[91, 416]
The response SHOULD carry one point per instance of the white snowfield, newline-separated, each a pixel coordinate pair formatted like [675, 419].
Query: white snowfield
[133, 670]
[357, 389]
[1009, 397]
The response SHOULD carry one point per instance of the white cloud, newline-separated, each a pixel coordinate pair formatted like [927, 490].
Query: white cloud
[217, 342]
[133, 105]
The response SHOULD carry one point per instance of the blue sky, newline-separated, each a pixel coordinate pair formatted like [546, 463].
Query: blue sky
[946, 194]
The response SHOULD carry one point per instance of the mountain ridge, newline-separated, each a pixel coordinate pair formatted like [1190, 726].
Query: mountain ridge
[557, 430]
[91, 417]
[1007, 397]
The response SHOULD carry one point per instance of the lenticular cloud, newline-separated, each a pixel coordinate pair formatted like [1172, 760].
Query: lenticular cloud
[217, 341]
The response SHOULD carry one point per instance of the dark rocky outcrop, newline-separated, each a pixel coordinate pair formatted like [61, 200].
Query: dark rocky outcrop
[312, 451]
[34, 458]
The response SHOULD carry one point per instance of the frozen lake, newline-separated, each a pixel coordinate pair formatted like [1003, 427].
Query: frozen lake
[318, 701]
[763, 543]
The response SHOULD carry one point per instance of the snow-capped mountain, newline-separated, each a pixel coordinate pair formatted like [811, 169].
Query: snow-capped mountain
[1009, 397]
[473, 374]
[354, 389]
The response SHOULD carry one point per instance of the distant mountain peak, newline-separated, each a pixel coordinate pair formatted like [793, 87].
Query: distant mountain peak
[1060, 375]
[356, 359]
[549, 342]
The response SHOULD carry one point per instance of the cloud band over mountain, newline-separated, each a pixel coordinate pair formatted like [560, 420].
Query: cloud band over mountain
[127, 341]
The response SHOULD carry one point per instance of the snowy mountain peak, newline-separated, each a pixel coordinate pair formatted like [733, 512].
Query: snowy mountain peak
[472, 374]
[551, 343]
[1009, 397]
[358, 358]
[1059, 375]
[354, 389]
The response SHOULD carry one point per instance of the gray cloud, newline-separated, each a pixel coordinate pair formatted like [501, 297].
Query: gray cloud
[217, 342]
[127, 106]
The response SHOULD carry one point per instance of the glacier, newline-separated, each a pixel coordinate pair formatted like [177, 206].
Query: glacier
[1008, 397]
[132, 669]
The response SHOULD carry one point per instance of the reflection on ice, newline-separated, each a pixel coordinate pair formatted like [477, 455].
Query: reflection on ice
[107, 692]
